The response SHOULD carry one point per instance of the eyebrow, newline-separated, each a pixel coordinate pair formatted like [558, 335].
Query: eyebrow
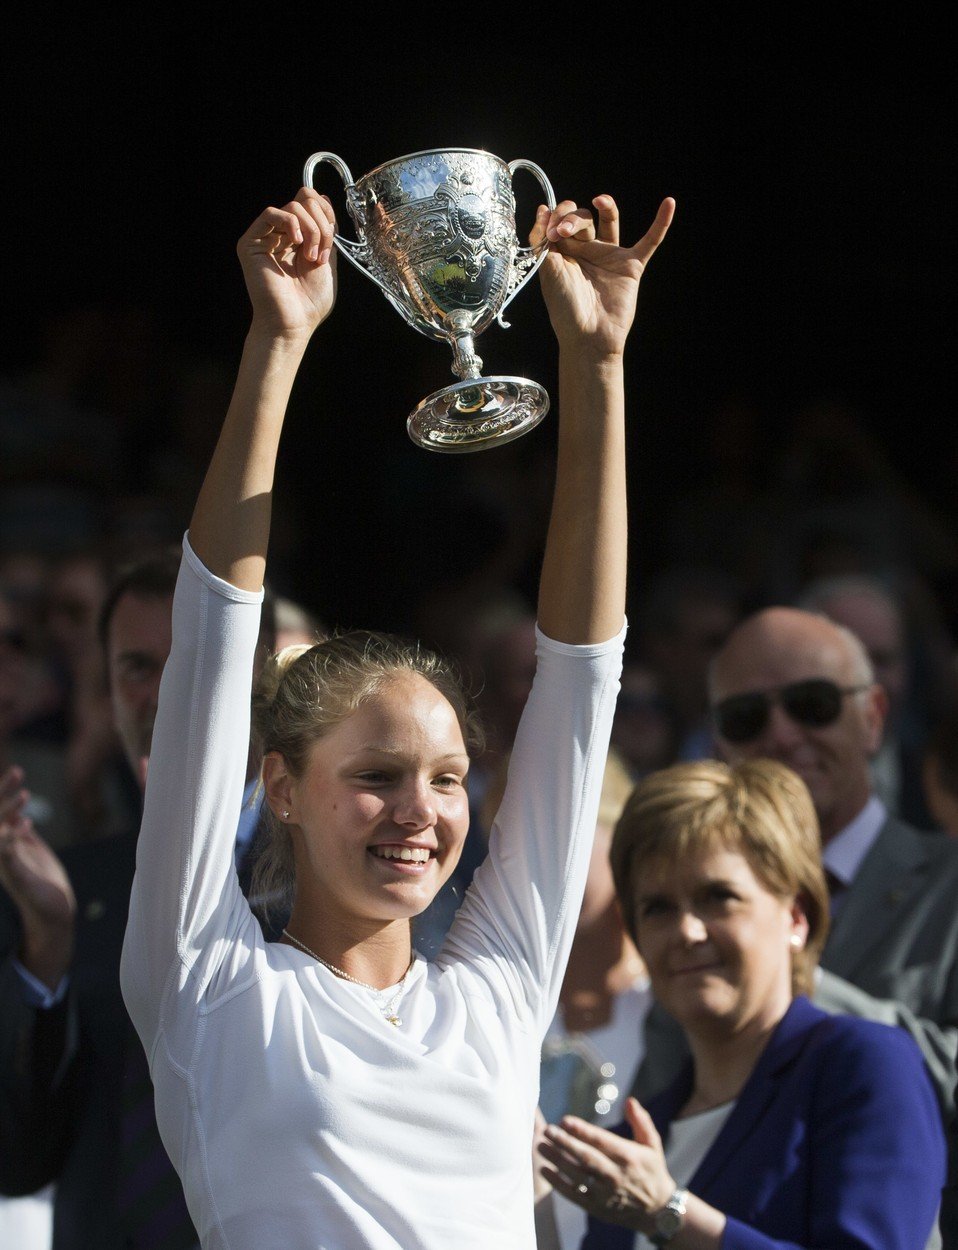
[652, 896]
[728, 882]
[123, 656]
[393, 753]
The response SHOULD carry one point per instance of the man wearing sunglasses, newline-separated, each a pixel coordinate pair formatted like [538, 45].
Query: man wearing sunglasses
[793, 686]
[796, 687]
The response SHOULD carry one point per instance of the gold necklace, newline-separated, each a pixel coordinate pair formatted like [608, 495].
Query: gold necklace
[388, 1010]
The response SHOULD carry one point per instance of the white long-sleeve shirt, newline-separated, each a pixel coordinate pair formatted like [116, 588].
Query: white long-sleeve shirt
[295, 1114]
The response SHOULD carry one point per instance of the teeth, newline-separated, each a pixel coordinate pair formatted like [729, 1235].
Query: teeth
[411, 854]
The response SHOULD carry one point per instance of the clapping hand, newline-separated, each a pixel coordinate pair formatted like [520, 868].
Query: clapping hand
[615, 1179]
[37, 883]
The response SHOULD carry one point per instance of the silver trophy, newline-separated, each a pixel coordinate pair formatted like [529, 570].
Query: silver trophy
[436, 232]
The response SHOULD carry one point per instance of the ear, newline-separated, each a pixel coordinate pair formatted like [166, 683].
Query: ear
[800, 925]
[278, 785]
[875, 712]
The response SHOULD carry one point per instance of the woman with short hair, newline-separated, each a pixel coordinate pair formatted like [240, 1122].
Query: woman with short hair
[789, 1128]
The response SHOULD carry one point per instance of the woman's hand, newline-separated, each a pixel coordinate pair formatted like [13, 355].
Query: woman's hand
[289, 264]
[38, 885]
[591, 283]
[617, 1180]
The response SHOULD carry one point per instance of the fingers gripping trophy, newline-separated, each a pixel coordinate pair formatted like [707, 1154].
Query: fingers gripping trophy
[436, 232]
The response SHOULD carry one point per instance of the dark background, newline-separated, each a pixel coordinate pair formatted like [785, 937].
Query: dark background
[810, 263]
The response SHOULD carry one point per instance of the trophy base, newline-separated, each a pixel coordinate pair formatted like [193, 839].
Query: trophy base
[477, 413]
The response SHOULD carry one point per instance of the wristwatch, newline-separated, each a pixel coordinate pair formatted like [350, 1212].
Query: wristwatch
[669, 1219]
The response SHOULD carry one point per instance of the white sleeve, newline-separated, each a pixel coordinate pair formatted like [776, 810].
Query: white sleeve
[187, 914]
[523, 906]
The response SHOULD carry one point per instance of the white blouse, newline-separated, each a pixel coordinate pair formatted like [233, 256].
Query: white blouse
[689, 1141]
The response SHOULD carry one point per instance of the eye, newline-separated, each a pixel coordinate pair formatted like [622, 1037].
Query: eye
[373, 777]
[722, 895]
[448, 781]
[652, 907]
[136, 668]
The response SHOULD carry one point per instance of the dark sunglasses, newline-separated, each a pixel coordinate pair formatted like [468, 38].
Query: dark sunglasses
[814, 703]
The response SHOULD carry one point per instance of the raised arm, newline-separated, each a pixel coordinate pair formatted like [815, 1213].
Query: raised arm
[590, 284]
[288, 263]
[185, 885]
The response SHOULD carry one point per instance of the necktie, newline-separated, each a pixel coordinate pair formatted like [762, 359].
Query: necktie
[152, 1208]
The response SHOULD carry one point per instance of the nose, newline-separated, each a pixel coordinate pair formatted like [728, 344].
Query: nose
[415, 804]
[152, 693]
[144, 699]
[781, 733]
[692, 928]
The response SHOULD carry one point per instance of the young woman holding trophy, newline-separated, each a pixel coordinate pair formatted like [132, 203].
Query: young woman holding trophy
[333, 1089]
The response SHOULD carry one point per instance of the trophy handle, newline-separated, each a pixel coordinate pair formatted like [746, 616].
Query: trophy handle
[358, 252]
[528, 259]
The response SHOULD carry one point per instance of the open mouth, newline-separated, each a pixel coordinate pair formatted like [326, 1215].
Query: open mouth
[413, 855]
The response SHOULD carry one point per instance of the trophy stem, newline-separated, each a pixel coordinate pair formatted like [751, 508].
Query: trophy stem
[465, 363]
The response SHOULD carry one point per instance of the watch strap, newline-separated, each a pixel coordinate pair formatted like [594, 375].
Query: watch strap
[669, 1220]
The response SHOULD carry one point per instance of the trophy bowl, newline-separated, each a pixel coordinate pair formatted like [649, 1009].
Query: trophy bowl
[436, 232]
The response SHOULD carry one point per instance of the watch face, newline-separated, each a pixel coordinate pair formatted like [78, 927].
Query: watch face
[668, 1222]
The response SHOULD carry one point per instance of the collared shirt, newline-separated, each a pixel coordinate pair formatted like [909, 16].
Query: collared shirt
[842, 856]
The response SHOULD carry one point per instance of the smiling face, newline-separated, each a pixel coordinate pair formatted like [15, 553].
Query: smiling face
[718, 945]
[780, 646]
[380, 812]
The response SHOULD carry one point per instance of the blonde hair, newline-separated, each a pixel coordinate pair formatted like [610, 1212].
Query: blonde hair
[305, 691]
[759, 808]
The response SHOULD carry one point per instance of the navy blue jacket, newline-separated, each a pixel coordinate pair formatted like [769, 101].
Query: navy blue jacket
[836, 1141]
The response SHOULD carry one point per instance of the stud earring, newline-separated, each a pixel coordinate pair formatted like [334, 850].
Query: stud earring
[285, 814]
[797, 941]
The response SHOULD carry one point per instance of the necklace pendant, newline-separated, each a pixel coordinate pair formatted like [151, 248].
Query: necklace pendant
[394, 1020]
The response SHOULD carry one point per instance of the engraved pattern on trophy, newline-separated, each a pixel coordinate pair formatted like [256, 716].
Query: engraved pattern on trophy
[436, 232]
[449, 239]
[455, 428]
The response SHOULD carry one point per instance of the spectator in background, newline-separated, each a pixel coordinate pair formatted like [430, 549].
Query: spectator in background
[295, 624]
[684, 619]
[65, 1037]
[940, 772]
[787, 1126]
[500, 659]
[23, 583]
[868, 607]
[76, 1103]
[645, 729]
[30, 698]
[102, 803]
[793, 686]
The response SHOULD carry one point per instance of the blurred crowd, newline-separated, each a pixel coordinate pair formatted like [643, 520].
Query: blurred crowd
[104, 442]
